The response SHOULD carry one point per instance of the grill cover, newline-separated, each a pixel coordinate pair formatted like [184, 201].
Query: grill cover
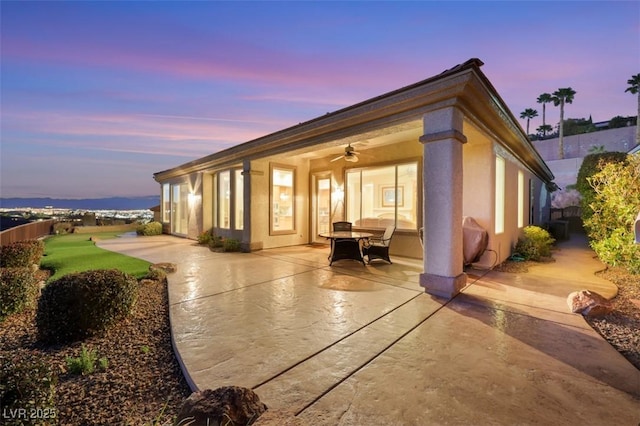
[474, 240]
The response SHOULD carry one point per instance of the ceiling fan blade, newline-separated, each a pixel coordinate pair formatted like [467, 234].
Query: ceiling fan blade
[336, 159]
[355, 152]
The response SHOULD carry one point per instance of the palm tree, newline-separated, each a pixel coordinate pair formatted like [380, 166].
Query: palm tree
[528, 113]
[542, 130]
[544, 99]
[561, 97]
[634, 89]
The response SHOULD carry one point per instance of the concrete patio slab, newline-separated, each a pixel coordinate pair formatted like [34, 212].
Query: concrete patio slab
[354, 345]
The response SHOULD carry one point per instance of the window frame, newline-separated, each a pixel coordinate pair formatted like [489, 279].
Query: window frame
[398, 201]
[273, 167]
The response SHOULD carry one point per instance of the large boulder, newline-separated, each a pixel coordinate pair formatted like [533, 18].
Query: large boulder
[226, 405]
[589, 303]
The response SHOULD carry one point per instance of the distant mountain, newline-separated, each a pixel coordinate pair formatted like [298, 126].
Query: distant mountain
[113, 203]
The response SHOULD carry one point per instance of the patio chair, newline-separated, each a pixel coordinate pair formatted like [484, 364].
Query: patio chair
[378, 247]
[342, 226]
[339, 226]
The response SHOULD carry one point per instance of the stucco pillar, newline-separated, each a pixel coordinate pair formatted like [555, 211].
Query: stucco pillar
[442, 210]
[245, 244]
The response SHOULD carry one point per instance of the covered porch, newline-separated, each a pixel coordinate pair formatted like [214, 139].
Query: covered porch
[428, 154]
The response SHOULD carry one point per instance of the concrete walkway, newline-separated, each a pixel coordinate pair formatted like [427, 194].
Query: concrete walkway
[364, 345]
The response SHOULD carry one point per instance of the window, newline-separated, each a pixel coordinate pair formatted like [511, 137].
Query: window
[224, 204]
[165, 206]
[500, 187]
[377, 197]
[239, 199]
[180, 208]
[282, 200]
[520, 199]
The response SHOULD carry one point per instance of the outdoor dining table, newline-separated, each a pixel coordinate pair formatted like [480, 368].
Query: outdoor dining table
[346, 245]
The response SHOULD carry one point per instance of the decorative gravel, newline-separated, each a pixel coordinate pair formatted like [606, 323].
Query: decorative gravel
[621, 327]
[143, 383]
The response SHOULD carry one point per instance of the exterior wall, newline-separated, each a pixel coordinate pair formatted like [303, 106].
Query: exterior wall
[260, 205]
[578, 146]
[479, 196]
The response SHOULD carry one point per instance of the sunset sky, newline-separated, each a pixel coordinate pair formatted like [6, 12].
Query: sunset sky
[97, 96]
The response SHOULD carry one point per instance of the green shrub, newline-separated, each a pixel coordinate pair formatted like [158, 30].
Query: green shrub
[592, 164]
[21, 254]
[86, 362]
[231, 244]
[18, 290]
[614, 208]
[535, 244]
[27, 384]
[216, 242]
[84, 304]
[205, 237]
[151, 228]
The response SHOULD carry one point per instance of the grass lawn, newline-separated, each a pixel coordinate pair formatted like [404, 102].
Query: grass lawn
[69, 253]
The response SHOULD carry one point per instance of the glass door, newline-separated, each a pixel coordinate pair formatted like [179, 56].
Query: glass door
[322, 208]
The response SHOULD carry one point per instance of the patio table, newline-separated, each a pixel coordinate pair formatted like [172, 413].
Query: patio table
[346, 245]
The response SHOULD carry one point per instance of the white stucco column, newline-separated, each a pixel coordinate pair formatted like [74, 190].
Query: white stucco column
[245, 244]
[442, 210]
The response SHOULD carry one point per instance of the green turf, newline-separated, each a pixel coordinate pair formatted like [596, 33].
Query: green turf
[76, 253]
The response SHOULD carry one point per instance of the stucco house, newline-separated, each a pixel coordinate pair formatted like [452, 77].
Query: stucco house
[428, 155]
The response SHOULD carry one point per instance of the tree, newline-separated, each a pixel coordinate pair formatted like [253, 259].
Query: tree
[542, 130]
[560, 97]
[634, 89]
[528, 113]
[544, 99]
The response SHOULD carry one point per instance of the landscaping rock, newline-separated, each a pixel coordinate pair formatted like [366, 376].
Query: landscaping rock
[165, 266]
[226, 405]
[589, 303]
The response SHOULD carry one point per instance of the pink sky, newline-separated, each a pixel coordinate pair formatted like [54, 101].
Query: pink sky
[97, 96]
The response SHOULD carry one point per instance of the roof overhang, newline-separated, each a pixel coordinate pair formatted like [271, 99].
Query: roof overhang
[463, 86]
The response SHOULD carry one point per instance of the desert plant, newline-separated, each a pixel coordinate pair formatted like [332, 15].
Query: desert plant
[86, 362]
[83, 304]
[28, 384]
[156, 274]
[21, 254]
[535, 244]
[614, 208]
[148, 229]
[18, 290]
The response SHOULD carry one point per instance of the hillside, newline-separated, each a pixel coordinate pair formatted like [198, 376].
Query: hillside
[113, 203]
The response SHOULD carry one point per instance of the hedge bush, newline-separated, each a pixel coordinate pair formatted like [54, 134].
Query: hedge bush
[535, 244]
[592, 164]
[83, 304]
[151, 228]
[18, 290]
[613, 211]
[27, 384]
[21, 254]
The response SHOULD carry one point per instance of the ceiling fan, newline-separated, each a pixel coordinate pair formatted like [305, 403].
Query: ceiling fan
[349, 155]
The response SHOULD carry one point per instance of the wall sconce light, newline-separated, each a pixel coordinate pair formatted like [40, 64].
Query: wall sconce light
[338, 194]
[192, 198]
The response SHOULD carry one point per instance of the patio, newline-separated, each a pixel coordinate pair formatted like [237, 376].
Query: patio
[352, 344]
